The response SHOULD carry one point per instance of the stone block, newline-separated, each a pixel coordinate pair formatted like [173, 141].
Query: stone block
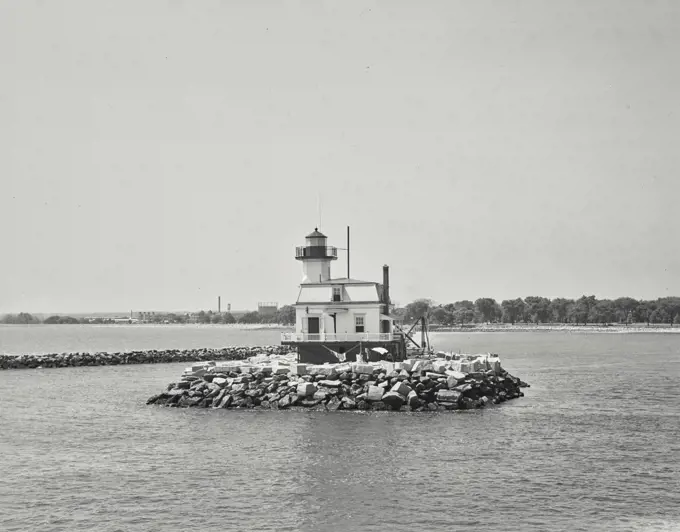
[348, 403]
[439, 366]
[466, 366]
[298, 369]
[343, 368]
[394, 400]
[387, 366]
[220, 381]
[333, 404]
[458, 375]
[363, 369]
[239, 387]
[401, 388]
[413, 400]
[416, 367]
[407, 365]
[320, 395]
[225, 402]
[375, 393]
[448, 396]
[434, 376]
[330, 383]
[325, 370]
[306, 389]
[384, 384]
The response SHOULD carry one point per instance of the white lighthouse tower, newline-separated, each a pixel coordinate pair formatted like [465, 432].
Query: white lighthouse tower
[316, 258]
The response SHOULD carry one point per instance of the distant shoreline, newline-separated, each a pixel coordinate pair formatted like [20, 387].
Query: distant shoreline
[477, 328]
[618, 329]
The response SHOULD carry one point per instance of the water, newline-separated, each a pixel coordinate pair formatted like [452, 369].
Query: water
[594, 445]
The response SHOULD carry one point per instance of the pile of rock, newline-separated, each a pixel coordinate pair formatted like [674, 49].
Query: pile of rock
[63, 360]
[450, 382]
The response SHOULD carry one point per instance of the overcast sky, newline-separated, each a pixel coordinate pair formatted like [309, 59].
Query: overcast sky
[157, 154]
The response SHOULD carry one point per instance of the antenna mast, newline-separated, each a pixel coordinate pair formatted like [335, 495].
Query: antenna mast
[318, 206]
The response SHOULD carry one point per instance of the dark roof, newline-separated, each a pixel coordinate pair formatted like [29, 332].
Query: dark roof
[316, 234]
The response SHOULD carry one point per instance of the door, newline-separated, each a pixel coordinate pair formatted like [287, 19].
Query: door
[313, 325]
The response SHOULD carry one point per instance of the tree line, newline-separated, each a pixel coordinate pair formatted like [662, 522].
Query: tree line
[284, 316]
[535, 309]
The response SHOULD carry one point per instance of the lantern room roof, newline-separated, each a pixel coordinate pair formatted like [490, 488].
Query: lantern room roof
[316, 234]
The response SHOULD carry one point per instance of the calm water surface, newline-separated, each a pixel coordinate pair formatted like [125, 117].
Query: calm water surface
[594, 445]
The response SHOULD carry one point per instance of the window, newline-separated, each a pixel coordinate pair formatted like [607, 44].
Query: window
[337, 293]
[359, 324]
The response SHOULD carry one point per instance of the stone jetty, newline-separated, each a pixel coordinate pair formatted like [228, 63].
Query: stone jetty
[65, 360]
[447, 382]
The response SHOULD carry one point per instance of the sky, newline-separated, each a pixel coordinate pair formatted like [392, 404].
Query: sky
[155, 155]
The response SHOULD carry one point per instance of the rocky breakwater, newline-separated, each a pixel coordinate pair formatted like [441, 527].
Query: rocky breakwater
[450, 382]
[63, 360]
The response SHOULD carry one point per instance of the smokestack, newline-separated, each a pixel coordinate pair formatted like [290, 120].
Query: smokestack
[219, 304]
[348, 251]
[228, 307]
[386, 289]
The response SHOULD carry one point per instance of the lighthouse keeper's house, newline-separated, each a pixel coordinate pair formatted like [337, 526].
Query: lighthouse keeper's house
[336, 318]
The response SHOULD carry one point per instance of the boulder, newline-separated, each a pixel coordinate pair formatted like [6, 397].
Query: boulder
[325, 370]
[387, 366]
[363, 369]
[298, 369]
[320, 395]
[401, 388]
[394, 400]
[348, 403]
[375, 393]
[413, 400]
[305, 389]
[439, 366]
[309, 402]
[448, 396]
[220, 381]
[330, 383]
[333, 404]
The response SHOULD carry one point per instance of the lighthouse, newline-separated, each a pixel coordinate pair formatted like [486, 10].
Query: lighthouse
[316, 258]
[337, 318]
